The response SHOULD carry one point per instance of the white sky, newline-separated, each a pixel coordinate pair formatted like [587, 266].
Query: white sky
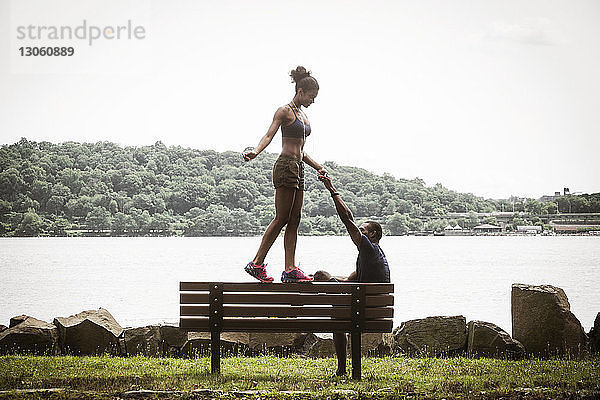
[496, 98]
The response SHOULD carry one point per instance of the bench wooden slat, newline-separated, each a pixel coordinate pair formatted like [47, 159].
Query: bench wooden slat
[313, 287]
[294, 299]
[259, 299]
[283, 325]
[382, 300]
[285, 311]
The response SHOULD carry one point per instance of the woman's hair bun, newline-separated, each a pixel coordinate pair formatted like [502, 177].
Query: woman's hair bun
[299, 77]
[299, 73]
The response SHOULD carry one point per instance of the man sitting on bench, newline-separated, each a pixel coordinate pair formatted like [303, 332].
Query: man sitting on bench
[371, 264]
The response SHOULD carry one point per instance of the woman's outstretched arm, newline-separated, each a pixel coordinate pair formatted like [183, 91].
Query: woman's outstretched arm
[278, 119]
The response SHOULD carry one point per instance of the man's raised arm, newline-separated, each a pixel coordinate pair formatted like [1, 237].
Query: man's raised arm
[343, 211]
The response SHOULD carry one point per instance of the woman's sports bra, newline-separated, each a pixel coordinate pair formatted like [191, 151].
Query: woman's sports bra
[296, 129]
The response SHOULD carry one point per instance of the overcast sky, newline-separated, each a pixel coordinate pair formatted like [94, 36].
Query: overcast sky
[496, 98]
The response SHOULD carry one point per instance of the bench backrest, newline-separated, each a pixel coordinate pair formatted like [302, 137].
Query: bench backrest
[286, 307]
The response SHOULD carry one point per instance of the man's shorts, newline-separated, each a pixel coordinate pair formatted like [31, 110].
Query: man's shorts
[288, 172]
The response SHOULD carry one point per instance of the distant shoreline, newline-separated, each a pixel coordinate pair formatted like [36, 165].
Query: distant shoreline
[104, 189]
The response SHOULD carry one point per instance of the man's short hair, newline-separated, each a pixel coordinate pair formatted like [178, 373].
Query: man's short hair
[375, 227]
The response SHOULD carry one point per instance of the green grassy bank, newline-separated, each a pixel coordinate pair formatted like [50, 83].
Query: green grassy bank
[106, 377]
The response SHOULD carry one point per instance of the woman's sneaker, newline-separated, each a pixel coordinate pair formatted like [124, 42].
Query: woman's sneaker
[295, 275]
[258, 271]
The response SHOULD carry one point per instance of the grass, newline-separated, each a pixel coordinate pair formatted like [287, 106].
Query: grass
[382, 377]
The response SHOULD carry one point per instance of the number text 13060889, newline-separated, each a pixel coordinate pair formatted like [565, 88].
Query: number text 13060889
[46, 51]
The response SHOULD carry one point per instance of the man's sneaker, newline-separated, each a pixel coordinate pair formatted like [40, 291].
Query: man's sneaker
[258, 271]
[295, 275]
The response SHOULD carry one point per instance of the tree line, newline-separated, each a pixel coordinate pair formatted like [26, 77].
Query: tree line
[106, 189]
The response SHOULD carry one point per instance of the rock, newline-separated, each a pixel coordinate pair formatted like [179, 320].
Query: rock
[198, 345]
[488, 340]
[232, 343]
[543, 323]
[239, 340]
[374, 344]
[277, 343]
[432, 336]
[145, 341]
[89, 332]
[319, 345]
[3, 328]
[173, 339]
[594, 336]
[14, 321]
[30, 336]
[377, 344]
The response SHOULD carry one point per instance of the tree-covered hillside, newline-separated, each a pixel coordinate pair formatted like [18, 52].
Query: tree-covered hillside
[104, 188]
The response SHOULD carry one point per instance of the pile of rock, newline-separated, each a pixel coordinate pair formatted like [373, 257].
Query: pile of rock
[452, 336]
[543, 325]
[87, 333]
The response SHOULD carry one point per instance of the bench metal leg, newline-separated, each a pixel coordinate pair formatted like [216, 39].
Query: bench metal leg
[215, 320]
[215, 352]
[358, 322]
[356, 355]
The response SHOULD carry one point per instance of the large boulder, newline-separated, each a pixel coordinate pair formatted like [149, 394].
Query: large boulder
[432, 336]
[276, 343]
[30, 336]
[543, 322]
[89, 332]
[594, 336]
[488, 340]
[198, 344]
[145, 341]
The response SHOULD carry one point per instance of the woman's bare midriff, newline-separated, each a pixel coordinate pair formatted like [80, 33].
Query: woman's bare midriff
[292, 147]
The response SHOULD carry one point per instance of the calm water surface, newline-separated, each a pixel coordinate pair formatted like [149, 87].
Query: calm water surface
[136, 279]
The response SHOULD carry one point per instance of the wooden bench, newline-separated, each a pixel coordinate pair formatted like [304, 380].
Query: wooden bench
[217, 307]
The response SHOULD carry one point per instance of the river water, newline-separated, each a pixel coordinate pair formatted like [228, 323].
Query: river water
[136, 279]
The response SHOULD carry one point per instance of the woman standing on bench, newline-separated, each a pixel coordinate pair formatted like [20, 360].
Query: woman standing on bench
[288, 177]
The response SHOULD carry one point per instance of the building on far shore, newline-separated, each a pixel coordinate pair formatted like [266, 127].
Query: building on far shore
[529, 229]
[548, 197]
[566, 192]
[456, 231]
[487, 228]
[575, 228]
